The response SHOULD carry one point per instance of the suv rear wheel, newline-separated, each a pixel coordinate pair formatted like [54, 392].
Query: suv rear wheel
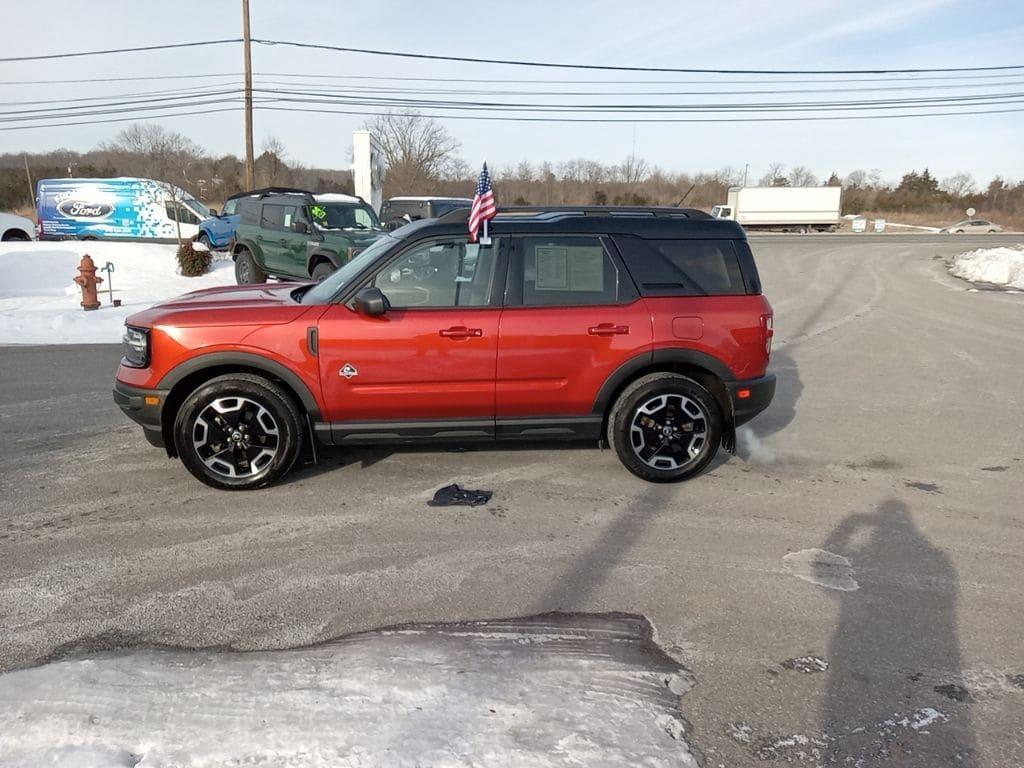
[665, 427]
[238, 432]
[247, 270]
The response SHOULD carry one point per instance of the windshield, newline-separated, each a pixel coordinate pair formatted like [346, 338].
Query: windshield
[196, 206]
[321, 293]
[344, 216]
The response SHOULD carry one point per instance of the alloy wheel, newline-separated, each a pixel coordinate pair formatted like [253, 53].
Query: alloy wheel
[235, 437]
[669, 432]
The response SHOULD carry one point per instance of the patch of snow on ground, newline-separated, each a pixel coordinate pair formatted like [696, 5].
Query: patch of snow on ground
[40, 303]
[450, 695]
[998, 266]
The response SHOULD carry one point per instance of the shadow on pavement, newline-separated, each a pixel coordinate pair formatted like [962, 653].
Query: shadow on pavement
[895, 694]
[593, 567]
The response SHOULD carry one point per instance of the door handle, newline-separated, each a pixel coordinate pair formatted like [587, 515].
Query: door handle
[461, 332]
[608, 329]
[283, 241]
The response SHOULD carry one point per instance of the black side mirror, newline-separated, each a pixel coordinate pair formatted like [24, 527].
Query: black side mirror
[301, 227]
[213, 213]
[371, 302]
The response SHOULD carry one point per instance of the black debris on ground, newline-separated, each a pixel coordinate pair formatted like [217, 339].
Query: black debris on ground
[455, 495]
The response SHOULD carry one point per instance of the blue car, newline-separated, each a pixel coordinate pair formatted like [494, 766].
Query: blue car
[218, 230]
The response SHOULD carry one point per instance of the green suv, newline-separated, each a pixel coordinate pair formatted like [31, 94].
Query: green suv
[297, 235]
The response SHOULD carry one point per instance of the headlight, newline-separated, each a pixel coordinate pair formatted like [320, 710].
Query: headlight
[136, 347]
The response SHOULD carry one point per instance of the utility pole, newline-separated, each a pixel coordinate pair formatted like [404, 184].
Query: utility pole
[746, 168]
[250, 163]
[31, 189]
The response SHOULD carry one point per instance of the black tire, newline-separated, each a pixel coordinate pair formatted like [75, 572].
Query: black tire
[699, 428]
[15, 235]
[243, 465]
[247, 271]
[205, 240]
[322, 271]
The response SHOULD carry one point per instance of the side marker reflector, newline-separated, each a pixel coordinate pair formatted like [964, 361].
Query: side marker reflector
[150, 400]
[743, 394]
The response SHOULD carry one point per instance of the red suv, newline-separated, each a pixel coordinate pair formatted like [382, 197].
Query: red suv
[643, 326]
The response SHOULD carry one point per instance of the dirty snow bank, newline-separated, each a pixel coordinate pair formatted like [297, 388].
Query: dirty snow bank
[40, 304]
[551, 690]
[998, 266]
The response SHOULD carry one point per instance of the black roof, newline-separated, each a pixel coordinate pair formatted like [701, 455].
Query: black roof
[284, 191]
[651, 223]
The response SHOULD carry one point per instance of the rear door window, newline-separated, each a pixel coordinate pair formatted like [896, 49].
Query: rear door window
[567, 272]
[683, 267]
[273, 217]
[248, 212]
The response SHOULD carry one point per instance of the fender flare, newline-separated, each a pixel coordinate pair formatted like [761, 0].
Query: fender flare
[247, 360]
[238, 245]
[654, 358]
[316, 256]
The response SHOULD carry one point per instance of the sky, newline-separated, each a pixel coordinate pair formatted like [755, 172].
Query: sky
[743, 34]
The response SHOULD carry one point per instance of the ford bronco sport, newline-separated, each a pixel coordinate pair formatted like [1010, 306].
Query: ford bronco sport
[645, 327]
[297, 235]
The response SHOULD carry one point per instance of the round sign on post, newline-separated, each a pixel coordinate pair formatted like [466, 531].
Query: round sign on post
[970, 212]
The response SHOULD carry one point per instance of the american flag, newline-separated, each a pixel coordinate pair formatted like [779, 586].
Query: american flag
[483, 208]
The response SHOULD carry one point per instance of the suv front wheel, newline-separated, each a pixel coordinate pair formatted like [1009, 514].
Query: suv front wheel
[238, 432]
[247, 270]
[665, 427]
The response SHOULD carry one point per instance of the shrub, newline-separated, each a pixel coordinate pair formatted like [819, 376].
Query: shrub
[193, 259]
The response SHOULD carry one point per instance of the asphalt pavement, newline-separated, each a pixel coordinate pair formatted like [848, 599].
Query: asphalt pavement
[847, 588]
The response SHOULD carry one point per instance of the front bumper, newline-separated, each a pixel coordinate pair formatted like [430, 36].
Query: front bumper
[759, 394]
[144, 407]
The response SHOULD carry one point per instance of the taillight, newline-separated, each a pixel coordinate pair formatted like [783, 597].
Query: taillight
[39, 228]
[767, 332]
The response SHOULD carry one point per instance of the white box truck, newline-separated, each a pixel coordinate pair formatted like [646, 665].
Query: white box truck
[783, 209]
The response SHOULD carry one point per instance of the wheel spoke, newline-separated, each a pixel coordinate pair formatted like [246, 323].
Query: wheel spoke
[669, 421]
[236, 437]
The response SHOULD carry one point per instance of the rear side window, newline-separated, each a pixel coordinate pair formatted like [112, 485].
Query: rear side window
[683, 267]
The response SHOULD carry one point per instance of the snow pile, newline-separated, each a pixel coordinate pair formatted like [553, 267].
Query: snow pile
[998, 266]
[552, 690]
[40, 303]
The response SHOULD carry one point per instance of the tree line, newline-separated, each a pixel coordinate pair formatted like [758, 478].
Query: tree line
[422, 158]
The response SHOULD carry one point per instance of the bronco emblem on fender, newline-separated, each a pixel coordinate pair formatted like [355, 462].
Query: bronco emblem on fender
[348, 371]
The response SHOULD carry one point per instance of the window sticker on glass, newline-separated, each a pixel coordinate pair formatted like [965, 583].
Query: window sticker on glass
[552, 268]
[288, 220]
[586, 269]
[318, 212]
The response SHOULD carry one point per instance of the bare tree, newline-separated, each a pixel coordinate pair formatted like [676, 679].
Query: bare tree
[802, 176]
[271, 161]
[417, 150]
[771, 177]
[855, 180]
[633, 169]
[155, 152]
[959, 185]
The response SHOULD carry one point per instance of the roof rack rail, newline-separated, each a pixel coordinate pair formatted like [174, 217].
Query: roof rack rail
[565, 211]
[264, 191]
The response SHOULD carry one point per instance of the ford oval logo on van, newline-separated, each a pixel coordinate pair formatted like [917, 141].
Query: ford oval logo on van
[79, 209]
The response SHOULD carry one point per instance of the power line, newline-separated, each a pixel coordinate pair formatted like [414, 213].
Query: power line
[610, 68]
[190, 113]
[506, 118]
[348, 88]
[108, 51]
[517, 118]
